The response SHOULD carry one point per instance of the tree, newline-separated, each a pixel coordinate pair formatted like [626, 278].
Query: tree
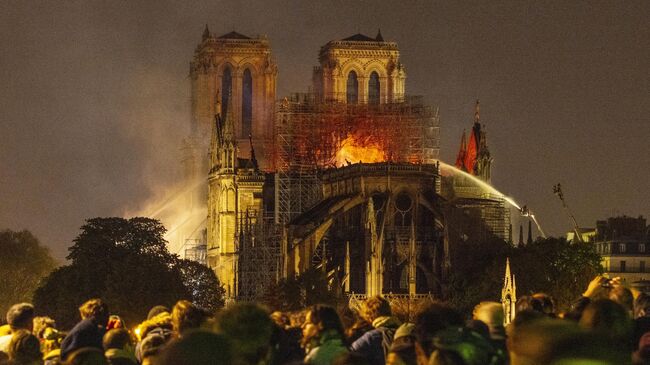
[202, 285]
[126, 263]
[309, 288]
[556, 267]
[476, 274]
[23, 263]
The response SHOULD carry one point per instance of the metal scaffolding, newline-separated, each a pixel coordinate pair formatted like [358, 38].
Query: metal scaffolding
[259, 254]
[310, 130]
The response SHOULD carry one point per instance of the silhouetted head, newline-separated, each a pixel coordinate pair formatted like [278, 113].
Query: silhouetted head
[186, 315]
[117, 338]
[431, 319]
[197, 347]
[249, 327]
[642, 306]
[491, 313]
[375, 307]
[609, 319]
[156, 310]
[86, 356]
[21, 316]
[96, 310]
[547, 302]
[24, 348]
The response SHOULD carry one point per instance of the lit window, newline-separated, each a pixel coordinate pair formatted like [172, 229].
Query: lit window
[641, 247]
[621, 247]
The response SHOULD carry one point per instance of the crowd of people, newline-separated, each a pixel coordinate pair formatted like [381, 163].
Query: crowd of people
[609, 324]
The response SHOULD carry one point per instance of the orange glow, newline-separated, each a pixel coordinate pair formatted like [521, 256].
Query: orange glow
[354, 150]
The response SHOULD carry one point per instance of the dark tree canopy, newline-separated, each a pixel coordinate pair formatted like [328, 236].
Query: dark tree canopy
[309, 288]
[126, 263]
[552, 265]
[23, 263]
[202, 284]
[556, 267]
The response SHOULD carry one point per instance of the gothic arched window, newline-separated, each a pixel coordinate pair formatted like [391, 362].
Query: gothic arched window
[226, 89]
[247, 104]
[373, 88]
[352, 89]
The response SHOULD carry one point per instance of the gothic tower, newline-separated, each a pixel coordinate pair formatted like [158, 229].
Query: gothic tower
[238, 67]
[234, 193]
[509, 295]
[360, 69]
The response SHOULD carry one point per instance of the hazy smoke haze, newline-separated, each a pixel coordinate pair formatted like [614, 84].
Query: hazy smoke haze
[94, 95]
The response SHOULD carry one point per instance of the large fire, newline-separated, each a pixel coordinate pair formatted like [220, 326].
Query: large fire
[355, 149]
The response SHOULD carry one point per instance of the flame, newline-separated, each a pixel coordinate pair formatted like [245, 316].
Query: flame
[355, 149]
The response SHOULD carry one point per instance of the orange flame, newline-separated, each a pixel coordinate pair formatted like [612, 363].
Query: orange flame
[355, 150]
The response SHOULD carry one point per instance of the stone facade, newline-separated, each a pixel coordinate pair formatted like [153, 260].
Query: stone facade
[242, 68]
[370, 64]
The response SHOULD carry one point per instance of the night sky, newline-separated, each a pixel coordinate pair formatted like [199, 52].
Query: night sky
[94, 96]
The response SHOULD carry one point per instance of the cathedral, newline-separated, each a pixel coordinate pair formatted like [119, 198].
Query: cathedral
[344, 178]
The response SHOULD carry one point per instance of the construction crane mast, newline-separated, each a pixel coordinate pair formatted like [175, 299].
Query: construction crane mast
[557, 190]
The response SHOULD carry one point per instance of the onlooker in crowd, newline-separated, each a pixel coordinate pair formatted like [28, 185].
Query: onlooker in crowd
[51, 345]
[186, 315]
[323, 336]
[431, 319]
[150, 347]
[249, 327]
[86, 356]
[19, 317]
[90, 331]
[491, 313]
[118, 348]
[24, 349]
[158, 324]
[198, 347]
[463, 346]
[610, 320]
[285, 341]
[402, 350]
[352, 358]
[547, 303]
[375, 344]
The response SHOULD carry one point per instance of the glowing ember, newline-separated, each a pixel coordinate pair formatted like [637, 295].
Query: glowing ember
[355, 150]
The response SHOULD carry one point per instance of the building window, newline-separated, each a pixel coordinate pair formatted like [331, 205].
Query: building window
[621, 247]
[226, 89]
[641, 247]
[373, 88]
[622, 266]
[352, 89]
[247, 104]
[642, 266]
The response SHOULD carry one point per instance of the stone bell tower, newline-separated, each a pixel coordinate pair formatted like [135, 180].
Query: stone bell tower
[238, 67]
[360, 69]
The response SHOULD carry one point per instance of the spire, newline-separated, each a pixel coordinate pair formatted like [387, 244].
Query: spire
[229, 127]
[477, 111]
[530, 233]
[521, 236]
[253, 158]
[509, 294]
[379, 37]
[460, 159]
[206, 32]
